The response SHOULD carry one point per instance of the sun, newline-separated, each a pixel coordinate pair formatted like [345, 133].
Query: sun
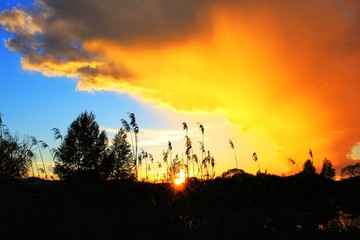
[180, 178]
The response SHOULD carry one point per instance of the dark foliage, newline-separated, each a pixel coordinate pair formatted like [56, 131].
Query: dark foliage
[351, 170]
[15, 158]
[308, 168]
[239, 207]
[327, 169]
[119, 164]
[84, 149]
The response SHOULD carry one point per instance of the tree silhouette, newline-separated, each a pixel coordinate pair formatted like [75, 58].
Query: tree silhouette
[351, 170]
[233, 148]
[120, 159]
[308, 168]
[83, 149]
[327, 169]
[15, 157]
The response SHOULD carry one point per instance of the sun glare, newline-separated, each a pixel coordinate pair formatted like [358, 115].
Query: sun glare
[180, 178]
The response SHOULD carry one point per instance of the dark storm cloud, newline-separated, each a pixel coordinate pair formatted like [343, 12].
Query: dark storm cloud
[54, 30]
[124, 20]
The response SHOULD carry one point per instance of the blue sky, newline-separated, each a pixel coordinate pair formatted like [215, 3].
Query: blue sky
[29, 97]
[32, 104]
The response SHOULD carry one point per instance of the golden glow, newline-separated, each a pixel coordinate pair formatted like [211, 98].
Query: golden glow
[231, 70]
[19, 21]
[51, 67]
[281, 75]
[180, 178]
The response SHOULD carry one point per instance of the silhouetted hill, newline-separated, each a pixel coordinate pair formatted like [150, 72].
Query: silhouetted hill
[242, 206]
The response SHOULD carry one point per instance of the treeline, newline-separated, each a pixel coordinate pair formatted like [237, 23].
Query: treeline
[99, 195]
[234, 206]
[86, 152]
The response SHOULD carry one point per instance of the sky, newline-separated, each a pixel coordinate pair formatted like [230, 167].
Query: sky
[276, 77]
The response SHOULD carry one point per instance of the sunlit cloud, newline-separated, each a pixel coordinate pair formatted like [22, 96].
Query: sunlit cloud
[284, 73]
[355, 152]
[151, 138]
[111, 131]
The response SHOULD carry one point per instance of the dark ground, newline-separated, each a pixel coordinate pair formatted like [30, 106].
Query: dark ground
[242, 207]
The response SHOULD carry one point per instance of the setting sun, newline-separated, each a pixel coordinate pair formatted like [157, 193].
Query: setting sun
[180, 178]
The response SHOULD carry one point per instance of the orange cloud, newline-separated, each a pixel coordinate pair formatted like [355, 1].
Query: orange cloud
[283, 72]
